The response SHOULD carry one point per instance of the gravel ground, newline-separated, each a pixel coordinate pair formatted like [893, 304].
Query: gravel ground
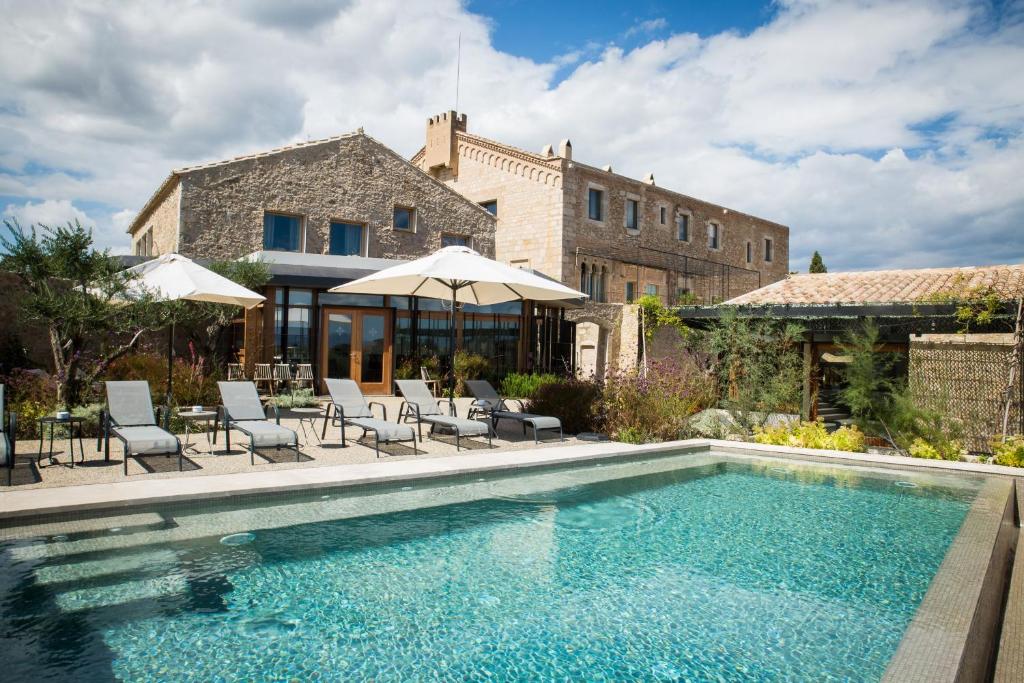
[201, 462]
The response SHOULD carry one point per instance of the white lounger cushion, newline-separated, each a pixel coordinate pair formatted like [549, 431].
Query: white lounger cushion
[267, 434]
[465, 427]
[147, 439]
[386, 431]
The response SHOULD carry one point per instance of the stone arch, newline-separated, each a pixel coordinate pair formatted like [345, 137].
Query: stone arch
[594, 340]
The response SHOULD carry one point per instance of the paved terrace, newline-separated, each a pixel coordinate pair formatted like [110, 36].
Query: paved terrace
[203, 462]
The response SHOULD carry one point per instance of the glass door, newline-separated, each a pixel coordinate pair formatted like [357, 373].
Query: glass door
[356, 344]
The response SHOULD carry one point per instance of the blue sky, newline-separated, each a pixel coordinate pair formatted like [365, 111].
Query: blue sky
[885, 133]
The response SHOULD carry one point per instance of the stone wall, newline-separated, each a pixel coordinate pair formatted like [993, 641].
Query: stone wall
[353, 179]
[162, 220]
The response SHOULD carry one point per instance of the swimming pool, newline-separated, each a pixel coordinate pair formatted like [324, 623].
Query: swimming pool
[697, 566]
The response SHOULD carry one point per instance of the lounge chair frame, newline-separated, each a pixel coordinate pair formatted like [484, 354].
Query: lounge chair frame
[228, 423]
[336, 416]
[496, 408]
[8, 432]
[410, 410]
[110, 426]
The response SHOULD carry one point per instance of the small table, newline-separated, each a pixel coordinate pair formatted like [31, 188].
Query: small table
[71, 423]
[207, 417]
[309, 415]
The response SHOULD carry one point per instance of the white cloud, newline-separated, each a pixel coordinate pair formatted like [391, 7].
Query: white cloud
[647, 26]
[883, 133]
[107, 233]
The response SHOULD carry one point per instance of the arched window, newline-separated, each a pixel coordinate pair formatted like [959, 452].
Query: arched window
[584, 279]
[603, 293]
[593, 284]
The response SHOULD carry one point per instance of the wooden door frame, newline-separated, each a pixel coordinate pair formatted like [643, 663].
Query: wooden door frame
[382, 388]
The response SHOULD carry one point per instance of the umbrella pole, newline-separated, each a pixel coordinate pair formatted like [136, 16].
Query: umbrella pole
[170, 371]
[451, 351]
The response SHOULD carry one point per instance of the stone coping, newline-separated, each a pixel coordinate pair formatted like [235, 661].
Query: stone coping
[1010, 664]
[71, 499]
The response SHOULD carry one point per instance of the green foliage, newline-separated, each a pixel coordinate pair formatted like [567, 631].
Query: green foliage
[687, 299]
[90, 413]
[655, 315]
[946, 450]
[408, 367]
[1009, 452]
[77, 293]
[656, 405]
[978, 306]
[817, 265]
[759, 369]
[302, 398]
[576, 402]
[469, 366]
[195, 380]
[524, 385]
[811, 435]
[31, 394]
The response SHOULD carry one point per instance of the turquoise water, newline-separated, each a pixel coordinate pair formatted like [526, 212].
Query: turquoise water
[727, 572]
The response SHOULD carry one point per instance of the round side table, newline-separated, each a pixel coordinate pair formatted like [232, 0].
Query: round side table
[70, 423]
[207, 417]
[308, 415]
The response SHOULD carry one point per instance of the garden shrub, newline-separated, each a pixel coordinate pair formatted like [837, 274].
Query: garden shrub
[811, 435]
[408, 367]
[31, 394]
[90, 413]
[656, 405]
[524, 385]
[195, 382]
[302, 398]
[941, 450]
[576, 402]
[1009, 452]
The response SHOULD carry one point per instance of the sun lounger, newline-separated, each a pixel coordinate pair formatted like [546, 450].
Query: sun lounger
[489, 403]
[129, 416]
[349, 407]
[420, 406]
[8, 437]
[242, 410]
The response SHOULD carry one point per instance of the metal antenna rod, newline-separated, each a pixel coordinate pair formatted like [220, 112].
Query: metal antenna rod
[458, 69]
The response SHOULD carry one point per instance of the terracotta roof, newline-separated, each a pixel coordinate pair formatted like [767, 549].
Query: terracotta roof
[885, 286]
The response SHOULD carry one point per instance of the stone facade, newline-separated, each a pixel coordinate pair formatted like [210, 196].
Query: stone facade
[544, 223]
[156, 231]
[220, 207]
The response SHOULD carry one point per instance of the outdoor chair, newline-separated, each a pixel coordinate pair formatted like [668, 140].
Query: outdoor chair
[349, 407]
[421, 406]
[488, 403]
[235, 372]
[8, 437]
[241, 409]
[303, 375]
[129, 416]
[432, 384]
[283, 376]
[263, 373]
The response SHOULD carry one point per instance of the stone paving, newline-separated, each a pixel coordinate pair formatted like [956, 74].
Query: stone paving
[202, 461]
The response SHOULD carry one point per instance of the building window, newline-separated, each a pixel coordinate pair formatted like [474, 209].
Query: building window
[144, 246]
[683, 227]
[596, 205]
[584, 279]
[714, 236]
[630, 292]
[491, 207]
[293, 323]
[405, 218]
[651, 290]
[632, 214]
[456, 241]
[601, 294]
[346, 239]
[768, 249]
[281, 232]
[750, 252]
[664, 215]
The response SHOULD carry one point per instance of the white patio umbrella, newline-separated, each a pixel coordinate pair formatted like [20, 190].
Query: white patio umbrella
[172, 277]
[460, 275]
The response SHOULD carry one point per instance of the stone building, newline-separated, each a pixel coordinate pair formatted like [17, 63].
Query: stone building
[613, 237]
[321, 213]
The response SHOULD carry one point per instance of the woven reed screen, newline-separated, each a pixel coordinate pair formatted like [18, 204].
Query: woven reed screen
[966, 381]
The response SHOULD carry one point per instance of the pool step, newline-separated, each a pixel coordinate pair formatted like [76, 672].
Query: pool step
[169, 586]
[95, 569]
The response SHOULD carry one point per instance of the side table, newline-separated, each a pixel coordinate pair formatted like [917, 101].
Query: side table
[70, 423]
[207, 417]
[310, 416]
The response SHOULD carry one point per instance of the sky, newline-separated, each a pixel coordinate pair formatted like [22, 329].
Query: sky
[885, 134]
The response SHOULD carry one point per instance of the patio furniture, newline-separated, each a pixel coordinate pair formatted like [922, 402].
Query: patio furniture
[303, 375]
[8, 439]
[129, 416]
[208, 418]
[308, 415]
[489, 403]
[421, 406]
[283, 376]
[263, 374]
[349, 407]
[235, 372]
[433, 384]
[71, 423]
[242, 410]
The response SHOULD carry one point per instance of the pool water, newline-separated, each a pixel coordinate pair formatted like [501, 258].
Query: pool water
[727, 571]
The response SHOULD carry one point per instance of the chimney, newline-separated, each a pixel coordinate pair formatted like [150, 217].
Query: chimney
[565, 149]
[649, 178]
[442, 149]
[547, 152]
